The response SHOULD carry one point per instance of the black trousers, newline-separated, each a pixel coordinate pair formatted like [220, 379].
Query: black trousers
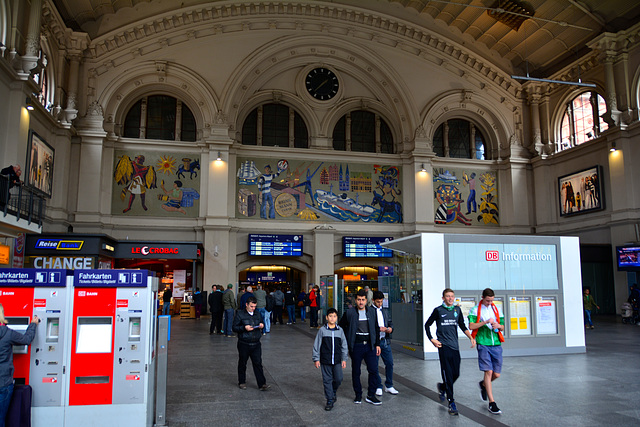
[253, 352]
[450, 368]
[313, 316]
[277, 314]
[216, 322]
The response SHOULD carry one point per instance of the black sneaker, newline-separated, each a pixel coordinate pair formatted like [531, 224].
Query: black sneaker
[265, 387]
[483, 390]
[329, 405]
[441, 391]
[452, 408]
[242, 386]
[493, 408]
[373, 400]
[357, 400]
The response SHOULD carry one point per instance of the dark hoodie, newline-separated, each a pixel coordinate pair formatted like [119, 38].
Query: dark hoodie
[9, 337]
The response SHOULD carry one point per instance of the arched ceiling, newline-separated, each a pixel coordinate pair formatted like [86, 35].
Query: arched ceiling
[555, 33]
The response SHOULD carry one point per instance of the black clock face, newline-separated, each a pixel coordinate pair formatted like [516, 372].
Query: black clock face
[322, 84]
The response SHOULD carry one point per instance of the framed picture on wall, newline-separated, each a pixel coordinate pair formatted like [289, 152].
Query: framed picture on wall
[581, 192]
[39, 166]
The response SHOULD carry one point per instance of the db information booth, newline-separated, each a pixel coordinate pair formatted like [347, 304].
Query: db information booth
[111, 359]
[25, 292]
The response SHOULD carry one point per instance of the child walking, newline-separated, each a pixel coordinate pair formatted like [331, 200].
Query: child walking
[330, 353]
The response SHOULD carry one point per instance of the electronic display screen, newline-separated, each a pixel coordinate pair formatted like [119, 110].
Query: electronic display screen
[628, 258]
[94, 335]
[365, 247]
[275, 244]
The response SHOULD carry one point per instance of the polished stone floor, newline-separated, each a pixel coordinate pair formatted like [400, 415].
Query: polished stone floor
[601, 387]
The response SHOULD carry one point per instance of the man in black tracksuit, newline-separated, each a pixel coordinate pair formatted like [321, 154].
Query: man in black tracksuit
[248, 324]
[448, 318]
[363, 338]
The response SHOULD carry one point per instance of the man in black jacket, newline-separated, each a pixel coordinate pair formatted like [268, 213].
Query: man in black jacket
[248, 324]
[216, 308]
[363, 338]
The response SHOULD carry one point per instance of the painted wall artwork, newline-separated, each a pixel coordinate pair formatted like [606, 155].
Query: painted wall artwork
[465, 196]
[156, 184]
[280, 189]
[581, 192]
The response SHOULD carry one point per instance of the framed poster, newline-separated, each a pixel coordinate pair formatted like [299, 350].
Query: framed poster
[520, 315]
[39, 166]
[546, 315]
[581, 192]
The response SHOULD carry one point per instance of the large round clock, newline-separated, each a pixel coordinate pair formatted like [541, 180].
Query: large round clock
[322, 84]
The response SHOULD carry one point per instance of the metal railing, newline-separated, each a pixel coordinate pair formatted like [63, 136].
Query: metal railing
[21, 202]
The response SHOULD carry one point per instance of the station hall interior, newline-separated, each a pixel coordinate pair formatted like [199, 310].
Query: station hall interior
[281, 143]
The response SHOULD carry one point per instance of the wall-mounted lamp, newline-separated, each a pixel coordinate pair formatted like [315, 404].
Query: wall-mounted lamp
[422, 168]
[29, 104]
[219, 156]
[613, 147]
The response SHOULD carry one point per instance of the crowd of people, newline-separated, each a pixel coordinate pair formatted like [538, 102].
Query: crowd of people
[363, 334]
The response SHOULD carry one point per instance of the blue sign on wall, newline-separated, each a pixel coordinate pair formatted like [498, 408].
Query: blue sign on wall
[33, 277]
[111, 278]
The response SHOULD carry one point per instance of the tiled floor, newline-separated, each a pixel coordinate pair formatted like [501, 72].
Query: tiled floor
[601, 387]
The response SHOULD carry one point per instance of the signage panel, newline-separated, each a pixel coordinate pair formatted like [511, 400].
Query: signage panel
[365, 247]
[275, 244]
[110, 278]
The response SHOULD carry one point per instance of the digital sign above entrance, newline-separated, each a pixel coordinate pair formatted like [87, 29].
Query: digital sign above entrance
[275, 244]
[365, 247]
[502, 266]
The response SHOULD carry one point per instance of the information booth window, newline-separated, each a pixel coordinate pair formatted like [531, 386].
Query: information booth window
[466, 304]
[546, 315]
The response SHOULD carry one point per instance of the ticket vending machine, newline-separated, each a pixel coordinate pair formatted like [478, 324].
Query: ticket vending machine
[111, 354]
[45, 293]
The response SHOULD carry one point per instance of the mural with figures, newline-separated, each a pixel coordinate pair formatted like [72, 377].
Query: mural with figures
[465, 196]
[156, 184]
[272, 189]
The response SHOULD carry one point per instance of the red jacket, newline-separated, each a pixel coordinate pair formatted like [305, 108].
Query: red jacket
[313, 298]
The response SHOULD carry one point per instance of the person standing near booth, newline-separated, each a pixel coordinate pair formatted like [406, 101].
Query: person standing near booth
[248, 324]
[313, 307]
[166, 301]
[229, 303]
[487, 324]
[9, 338]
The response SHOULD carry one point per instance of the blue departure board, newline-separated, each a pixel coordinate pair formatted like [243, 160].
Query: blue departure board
[365, 247]
[275, 244]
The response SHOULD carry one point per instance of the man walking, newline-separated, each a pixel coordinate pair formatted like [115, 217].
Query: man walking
[487, 324]
[229, 304]
[363, 338]
[248, 325]
[386, 328]
[278, 295]
[216, 307]
[448, 318]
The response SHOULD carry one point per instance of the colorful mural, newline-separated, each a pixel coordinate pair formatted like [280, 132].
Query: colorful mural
[311, 190]
[155, 184]
[456, 197]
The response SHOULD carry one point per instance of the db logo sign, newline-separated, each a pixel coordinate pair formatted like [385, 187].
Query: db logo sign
[492, 255]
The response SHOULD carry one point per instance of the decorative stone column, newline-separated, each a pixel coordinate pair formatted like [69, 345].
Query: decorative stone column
[534, 102]
[32, 44]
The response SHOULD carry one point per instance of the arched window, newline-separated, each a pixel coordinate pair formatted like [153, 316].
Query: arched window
[275, 125]
[160, 117]
[582, 120]
[363, 131]
[460, 139]
[41, 76]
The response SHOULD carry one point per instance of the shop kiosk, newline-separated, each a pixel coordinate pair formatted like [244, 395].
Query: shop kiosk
[111, 356]
[45, 293]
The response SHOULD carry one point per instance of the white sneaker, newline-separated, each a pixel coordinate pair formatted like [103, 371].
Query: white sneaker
[379, 392]
[390, 390]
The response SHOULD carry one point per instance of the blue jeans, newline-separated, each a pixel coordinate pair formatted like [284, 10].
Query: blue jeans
[267, 321]
[165, 308]
[291, 311]
[587, 317]
[263, 313]
[359, 353]
[303, 313]
[228, 321]
[471, 200]
[5, 399]
[267, 198]
[387, 358]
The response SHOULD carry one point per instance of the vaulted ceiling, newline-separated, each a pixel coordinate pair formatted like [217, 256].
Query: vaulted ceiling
[538, 37]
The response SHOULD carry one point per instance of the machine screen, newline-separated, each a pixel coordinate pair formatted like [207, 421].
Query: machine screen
[94, 335]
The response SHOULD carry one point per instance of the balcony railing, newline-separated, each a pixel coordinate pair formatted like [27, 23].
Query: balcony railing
[21, 202]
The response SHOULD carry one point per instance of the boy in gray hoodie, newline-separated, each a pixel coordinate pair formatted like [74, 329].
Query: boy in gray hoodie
[330, 353]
